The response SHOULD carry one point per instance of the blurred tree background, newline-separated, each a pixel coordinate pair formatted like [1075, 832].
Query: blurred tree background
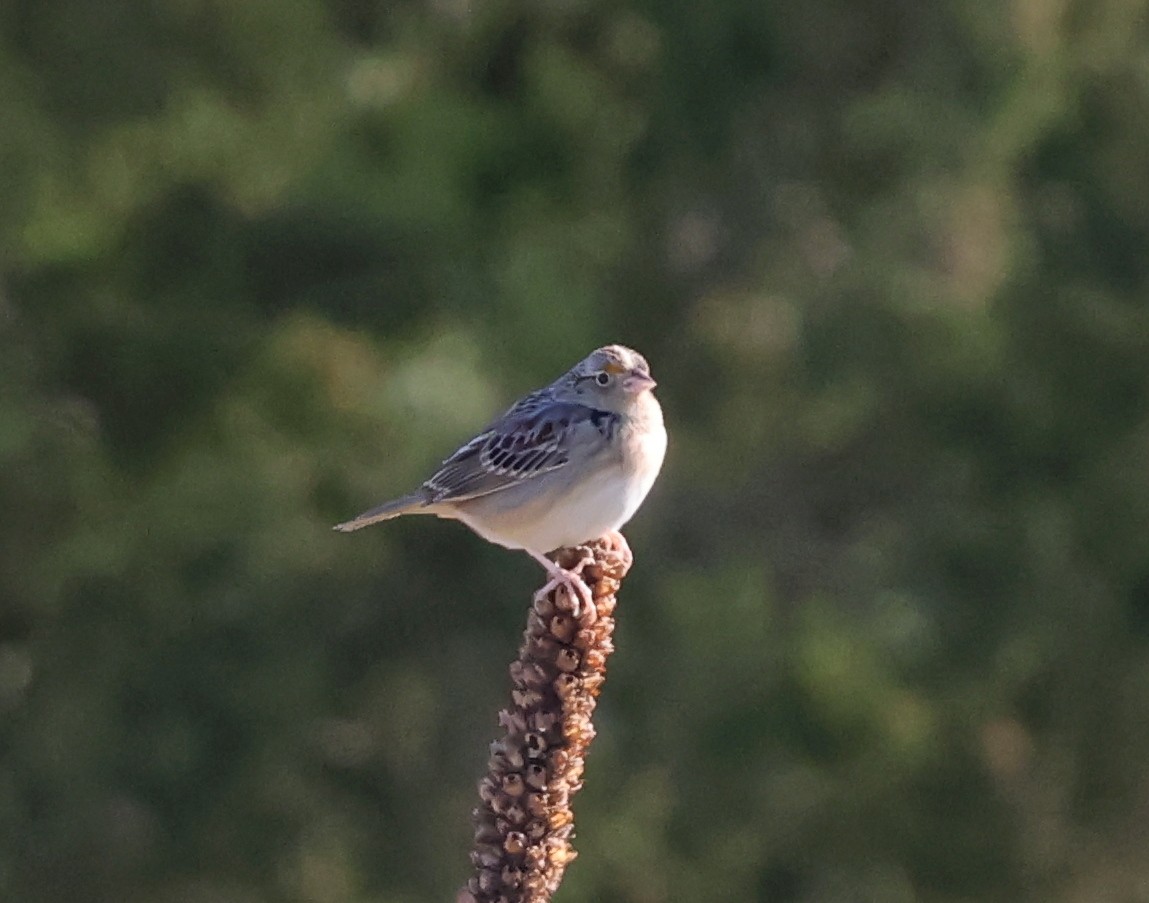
[263, 263]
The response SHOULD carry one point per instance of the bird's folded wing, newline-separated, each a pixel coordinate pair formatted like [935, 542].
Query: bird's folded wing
[529, 440]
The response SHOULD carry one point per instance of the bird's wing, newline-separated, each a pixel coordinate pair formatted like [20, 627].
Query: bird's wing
[532, 438]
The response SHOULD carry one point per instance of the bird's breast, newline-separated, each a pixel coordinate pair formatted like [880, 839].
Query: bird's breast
[643, 450]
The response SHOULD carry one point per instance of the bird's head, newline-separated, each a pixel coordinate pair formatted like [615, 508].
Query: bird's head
[612, 378]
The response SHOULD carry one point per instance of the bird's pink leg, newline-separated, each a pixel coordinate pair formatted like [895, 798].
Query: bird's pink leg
[570, 578]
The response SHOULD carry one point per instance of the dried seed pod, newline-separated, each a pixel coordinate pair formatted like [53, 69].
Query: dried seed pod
[588, 616]
[593, 682]
[512, 877]
[568, 659]
[486, 857]
[487, 789]
[537, 804]
[562, 628]
[536, 776]
[528, 673]
[513, 785]
[513, 722]
[535, 622]
[566, 685]
[585, 639]
[582, 734]
[490, 882]
[526, 699]
[486, 834]
[559, 818]
[543, 647]
[544, 606]
[535, 744]
[500, 803]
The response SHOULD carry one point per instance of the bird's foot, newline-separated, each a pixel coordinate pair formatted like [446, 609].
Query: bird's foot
[568, 578]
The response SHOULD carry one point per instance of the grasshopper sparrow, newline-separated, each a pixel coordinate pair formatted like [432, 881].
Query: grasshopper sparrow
[564, 465]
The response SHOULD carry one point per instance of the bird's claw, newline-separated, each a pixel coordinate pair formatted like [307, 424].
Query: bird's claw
[571, 580]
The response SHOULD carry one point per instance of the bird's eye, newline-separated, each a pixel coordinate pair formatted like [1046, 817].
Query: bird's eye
[602, 378]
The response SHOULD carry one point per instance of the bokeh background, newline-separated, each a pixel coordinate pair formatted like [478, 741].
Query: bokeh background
[264, 263]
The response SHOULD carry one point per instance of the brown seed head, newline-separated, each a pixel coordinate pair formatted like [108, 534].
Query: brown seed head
[524, 822]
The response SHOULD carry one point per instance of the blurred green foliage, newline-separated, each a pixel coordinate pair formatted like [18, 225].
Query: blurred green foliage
[264, 263]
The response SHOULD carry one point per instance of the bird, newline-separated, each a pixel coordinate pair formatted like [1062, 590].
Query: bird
[564, 465]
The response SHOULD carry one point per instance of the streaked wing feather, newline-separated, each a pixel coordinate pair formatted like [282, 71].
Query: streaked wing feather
[530, 439]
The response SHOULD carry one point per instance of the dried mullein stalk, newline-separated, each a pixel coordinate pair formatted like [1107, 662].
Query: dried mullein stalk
[524, 824]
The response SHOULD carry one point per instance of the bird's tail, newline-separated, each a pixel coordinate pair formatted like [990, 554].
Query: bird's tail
[408, 504]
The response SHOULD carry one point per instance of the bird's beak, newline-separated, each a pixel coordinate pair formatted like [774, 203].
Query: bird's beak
[636, 382]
